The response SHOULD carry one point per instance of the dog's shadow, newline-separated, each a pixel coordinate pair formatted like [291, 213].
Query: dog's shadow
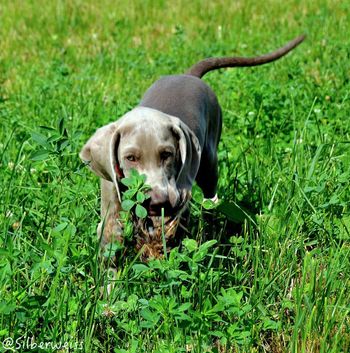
[223, 222]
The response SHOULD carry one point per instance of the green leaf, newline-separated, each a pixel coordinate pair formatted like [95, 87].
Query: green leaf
[203, 250]
[40, 155]
[143, 302]
[208, 244]
[217, 334]
[112, 248]
[127, 182]
[60, 227]
[197, 194]
[141, 212]
[54, 137]
[271, 325]
[47, 128]
[236, 240]
[7, 307]
[4, 332]
[77, 135]
[140, 197]
[150, 317]
[190, 244]
[182, 317]
[129, 194]
[127, 205]
[40, 139]
[61, 125]
[209, 204]
[128, 230]
[234, 212]
[62, 144]
[140, 268]
[184, 306]
[144, 188]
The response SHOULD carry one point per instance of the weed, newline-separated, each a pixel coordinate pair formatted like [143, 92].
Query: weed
[267, 269]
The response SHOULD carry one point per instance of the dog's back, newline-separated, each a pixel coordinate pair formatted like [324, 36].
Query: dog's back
[189, 99]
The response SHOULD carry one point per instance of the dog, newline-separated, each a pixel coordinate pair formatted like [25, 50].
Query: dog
[172, 137]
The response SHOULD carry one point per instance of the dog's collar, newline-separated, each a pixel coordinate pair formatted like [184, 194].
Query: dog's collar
[119, 171]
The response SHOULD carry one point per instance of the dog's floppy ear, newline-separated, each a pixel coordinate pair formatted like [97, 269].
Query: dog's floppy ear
[190, 153]
[99, 153]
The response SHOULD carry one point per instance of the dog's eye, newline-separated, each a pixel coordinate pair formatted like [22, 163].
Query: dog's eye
[131, 158]
[165, 155]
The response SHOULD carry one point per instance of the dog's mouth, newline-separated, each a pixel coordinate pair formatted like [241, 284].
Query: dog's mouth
[156, 211]
[155, 234]
[166, 208]
[157, 227]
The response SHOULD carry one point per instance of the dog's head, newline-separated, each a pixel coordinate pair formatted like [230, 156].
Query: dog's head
[155, 144]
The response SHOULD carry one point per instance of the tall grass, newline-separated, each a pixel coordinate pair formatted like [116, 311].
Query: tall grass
[276, 281]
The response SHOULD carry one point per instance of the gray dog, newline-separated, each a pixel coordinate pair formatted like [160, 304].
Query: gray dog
[171, 137]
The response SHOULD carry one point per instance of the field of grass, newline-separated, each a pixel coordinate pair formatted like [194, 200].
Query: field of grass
[277, 281]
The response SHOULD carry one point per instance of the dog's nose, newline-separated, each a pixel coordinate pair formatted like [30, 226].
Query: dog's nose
[158, 199]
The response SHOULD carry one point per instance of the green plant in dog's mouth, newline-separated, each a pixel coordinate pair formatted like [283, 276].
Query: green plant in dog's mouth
[132, 200]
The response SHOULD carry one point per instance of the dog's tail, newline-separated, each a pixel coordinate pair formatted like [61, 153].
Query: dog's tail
[206, 65]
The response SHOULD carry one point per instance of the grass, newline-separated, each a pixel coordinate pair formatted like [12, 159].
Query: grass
[276, 283]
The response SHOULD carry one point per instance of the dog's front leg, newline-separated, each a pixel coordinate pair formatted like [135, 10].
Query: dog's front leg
[109, 230]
